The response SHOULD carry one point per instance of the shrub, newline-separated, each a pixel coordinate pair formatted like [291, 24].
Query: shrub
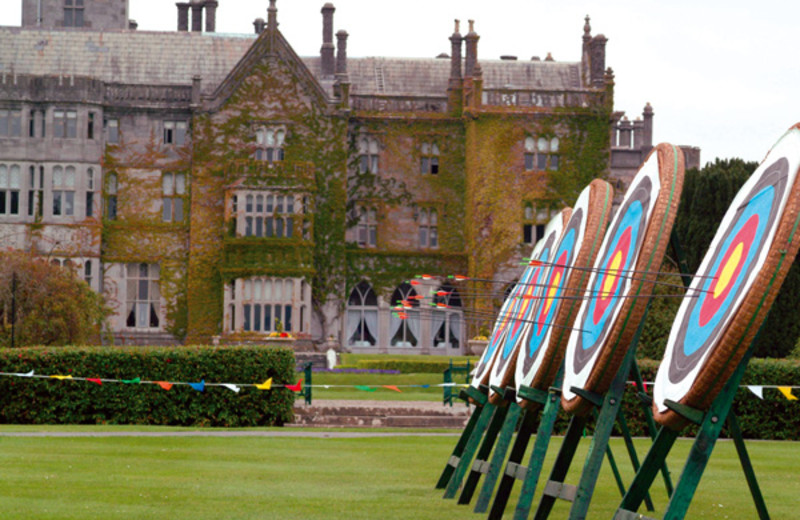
[50, 401]
[53, 306]
[408, 366]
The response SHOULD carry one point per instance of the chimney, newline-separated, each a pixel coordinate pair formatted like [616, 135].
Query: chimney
[341, 52]
[183, 16]
[472, 50]
[647, 129]
[133, 25]
[197, 16]
[258, 25]
[455, 54]
[326, 52]
[197, 82]
[272, 16]
[211, 15]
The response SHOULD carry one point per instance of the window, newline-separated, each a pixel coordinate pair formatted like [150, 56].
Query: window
[112, 130]
[32, 123]
[541, 154]
[534, 220]
[269, 144]
[143, 296]
[65, 124]
[429, 158]
[262, 304]
[111, 196]
[367, 155]
[63, 191]
[173, 187]
[175, 132]
[428, 228]
[367, 227]
[362, 316]
[73, 13]
[10, 123]
[35, 191]
[89, 192]
[9, 189]
[446, 318]
[87, 272]
[90, 126]
[404, 324]
[265, 214]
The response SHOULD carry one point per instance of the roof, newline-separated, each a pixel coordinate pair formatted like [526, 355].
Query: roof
[173, 58]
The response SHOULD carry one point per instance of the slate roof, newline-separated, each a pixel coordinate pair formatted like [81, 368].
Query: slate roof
[172, 58]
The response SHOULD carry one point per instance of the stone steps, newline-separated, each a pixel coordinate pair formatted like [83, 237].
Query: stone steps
[380, 414]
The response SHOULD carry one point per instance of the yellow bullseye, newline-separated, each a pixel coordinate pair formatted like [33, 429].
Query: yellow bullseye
[613, 267]
[551, 293]
[728, 269]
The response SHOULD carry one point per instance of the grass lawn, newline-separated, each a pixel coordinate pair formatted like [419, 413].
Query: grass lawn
[316, 478]
[343, 386]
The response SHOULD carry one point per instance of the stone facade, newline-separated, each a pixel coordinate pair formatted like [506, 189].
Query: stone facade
[216, 185]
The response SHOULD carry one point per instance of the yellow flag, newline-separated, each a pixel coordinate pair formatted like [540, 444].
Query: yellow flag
[787, 391]
[266, 385]
[61, 377]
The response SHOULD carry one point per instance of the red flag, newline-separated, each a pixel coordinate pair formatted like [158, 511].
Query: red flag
[297, 387]
[94, 380]
[392, 387]
[164, 385]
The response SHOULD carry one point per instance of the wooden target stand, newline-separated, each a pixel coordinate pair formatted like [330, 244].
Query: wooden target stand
[711, 423]
[607, 414]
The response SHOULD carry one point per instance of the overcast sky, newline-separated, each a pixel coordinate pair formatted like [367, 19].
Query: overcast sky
[724, 79]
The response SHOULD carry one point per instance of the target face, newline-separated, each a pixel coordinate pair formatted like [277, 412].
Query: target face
[727, 274]
[617, 292]
[523, 308]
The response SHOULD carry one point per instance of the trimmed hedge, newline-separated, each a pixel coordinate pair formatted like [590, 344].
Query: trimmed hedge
[414, 365]
[51, 401]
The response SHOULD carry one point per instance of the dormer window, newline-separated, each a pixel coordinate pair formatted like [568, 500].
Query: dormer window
[269, 144]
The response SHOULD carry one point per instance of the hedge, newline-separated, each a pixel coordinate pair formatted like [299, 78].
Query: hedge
[52, 401]
[413, 365]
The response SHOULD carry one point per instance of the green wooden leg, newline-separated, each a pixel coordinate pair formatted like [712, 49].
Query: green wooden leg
[513, 470]
[498, 457]
[452, 462]
[749, 473]
[470, 448]
[647, 472]
[626, 435]
[480, 464]
[555, 487]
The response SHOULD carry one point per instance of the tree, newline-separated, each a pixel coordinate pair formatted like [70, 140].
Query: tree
[52, 306]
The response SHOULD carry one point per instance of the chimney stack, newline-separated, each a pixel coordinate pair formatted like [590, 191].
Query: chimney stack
[472, 50]
[211, 15]
[326, 52]
[272, 16]
[341, 52]
[456, 41]
[197, 16]
[258, 25]
[183, 16]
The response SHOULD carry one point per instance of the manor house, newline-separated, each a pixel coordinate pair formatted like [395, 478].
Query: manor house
[221, 187]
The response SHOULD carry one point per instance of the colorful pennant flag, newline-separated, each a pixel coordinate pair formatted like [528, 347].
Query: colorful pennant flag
[266, 385]
[231, 387]
[134, 381]
[164, 385]
[757, 390]
[364, 388]
[787, 391]
[199, 386]
[392, 387]
[296, 387]
[27, 374]
[61, 377]
[95, 380]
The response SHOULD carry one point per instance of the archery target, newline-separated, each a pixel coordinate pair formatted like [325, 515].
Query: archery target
[734, 287]
[543, 346]
[526, 302]
[619, 288]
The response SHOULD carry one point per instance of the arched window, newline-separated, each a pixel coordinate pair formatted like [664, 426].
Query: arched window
[446, 317]
[111, 196]
[367, 227]
[404, 331]
[362, 316]
[541, 153]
